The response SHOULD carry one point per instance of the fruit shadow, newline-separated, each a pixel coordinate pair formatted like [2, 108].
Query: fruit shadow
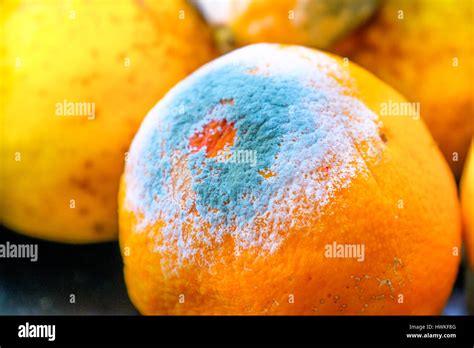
[65, 279]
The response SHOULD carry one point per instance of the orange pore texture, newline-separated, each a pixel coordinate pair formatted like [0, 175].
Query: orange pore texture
[405, 213]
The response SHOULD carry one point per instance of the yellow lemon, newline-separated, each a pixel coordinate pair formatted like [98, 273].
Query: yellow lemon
[77, 79]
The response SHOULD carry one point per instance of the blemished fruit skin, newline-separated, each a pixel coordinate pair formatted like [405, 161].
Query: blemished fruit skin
[205, 232]
[299, 22]
[467, 203]
[61, 162]
[425, 50]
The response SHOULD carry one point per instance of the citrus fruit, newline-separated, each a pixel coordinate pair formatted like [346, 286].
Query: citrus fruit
[313, 23]
[77, 79]
[467, 194]
[268, 182]
[425, 50]
[467, 203]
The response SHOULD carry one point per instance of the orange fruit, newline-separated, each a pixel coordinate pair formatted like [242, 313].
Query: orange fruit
[312, 23]
[467, 194]
[467, 203]
[268, 182]
[425, 50]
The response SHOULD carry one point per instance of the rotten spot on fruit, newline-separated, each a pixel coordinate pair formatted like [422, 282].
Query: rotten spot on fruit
[266, 173]
[88, 164]
[83, 211]
[386, 282]
[98, 228]
[342, 307]
[215, 137]
[396, 264]
[226, 101]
